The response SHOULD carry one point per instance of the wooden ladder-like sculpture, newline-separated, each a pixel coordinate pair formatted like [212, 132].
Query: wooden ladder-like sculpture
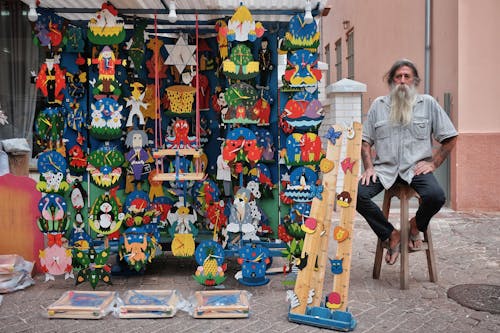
[315, 246]
[177, 175]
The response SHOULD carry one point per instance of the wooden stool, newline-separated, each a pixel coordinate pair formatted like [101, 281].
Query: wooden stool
[404, 193]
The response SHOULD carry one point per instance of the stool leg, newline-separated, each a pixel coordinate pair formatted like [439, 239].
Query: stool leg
[405, 232]
[431, 261]
[379, 252]
[377, 264]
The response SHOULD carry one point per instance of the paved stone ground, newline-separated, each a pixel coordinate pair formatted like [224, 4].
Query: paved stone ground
[467, 250]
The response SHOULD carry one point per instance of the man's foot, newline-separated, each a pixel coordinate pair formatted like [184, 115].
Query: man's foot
[393, 247]
[415, 242]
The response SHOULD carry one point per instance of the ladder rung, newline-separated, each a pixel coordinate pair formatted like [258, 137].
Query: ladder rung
[181, 151]
[171, 176]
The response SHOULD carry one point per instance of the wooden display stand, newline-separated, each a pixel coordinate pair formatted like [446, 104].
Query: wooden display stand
[310, 279]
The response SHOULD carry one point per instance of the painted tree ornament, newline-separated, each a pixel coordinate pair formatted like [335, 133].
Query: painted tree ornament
[240, 65]
[106, 28]
[156, 62]
[135, 45]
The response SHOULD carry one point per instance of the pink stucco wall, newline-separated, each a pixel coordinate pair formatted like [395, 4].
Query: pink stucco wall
[464, 63]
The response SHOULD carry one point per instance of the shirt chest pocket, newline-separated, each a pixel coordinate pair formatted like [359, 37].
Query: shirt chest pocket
[382, 130]
[421, 128]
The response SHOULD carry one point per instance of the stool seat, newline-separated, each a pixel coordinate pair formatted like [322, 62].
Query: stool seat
[404, 193]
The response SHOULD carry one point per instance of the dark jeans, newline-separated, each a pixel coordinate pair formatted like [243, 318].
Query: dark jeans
[426, 186]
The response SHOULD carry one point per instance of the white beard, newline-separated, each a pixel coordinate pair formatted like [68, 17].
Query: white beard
[402, 99]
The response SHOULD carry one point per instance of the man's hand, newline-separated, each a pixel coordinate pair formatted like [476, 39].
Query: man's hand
[424, 167]
[367, 175]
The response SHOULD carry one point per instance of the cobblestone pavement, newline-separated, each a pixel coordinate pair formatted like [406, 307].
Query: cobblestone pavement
[467, 251]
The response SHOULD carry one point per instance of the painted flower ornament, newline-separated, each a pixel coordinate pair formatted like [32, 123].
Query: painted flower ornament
[50, 127]
[94, 266]
[240, 65]
[56, 259]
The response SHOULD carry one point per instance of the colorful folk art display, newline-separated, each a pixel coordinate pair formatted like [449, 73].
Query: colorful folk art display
[53, 214]
[265, 140]
[51, 81]
[106, 27]
[75, 85]
[136, 247]
[104, 217]
[56, 259]
[240, 65]
[135, 46]
[179, 138]
[94, 266]
[155, 65]
[106, 120]
[52, 167]
[221, 29]
[138, 155]
[50, 127]
[136, 104]
[78, 197]
[104, 166]
[77, 160]
[241, 219]
[302, 186]
[181, 99]
[303, 111]
[106, 63]
[182, 218]
[241, 99]
[241, 145]
[204, 193]
[301, 35]
[48, 31]
[75, 42]
[241, 27]
[303, 70]
[302, 149]
[181, 54]
[253, 260]
[210, 258]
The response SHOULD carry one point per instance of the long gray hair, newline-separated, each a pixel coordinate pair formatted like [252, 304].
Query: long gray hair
[389, 76]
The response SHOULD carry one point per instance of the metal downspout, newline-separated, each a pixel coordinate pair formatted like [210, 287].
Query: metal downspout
[427, 61]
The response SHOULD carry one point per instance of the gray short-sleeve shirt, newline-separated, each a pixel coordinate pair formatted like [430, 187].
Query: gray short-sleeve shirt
[398, 148]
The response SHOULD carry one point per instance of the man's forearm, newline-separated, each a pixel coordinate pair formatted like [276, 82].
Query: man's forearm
[444, 150]
[366, 155]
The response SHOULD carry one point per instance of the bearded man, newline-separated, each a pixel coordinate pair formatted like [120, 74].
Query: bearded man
[401, 128]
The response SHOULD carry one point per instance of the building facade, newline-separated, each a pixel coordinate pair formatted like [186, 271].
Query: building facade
[457, 62]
